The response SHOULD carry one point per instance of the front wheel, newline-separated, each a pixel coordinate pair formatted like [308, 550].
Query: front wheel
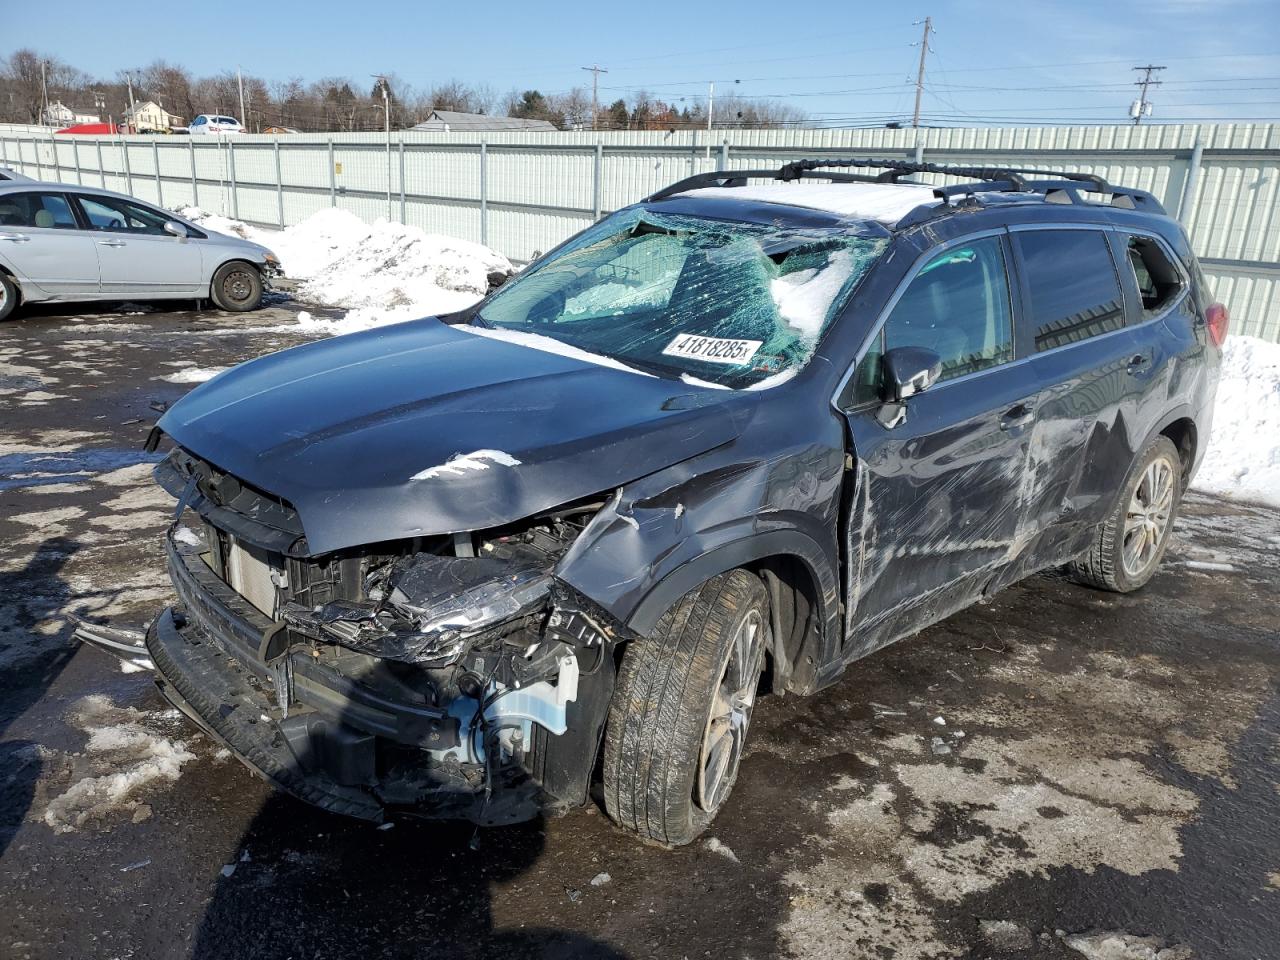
[1128, 548]
[680, 712]
[8, 297]
[237, 287]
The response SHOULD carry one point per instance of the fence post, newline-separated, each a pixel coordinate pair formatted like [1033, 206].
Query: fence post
[35, 146]
[279, 187]
[102, 167]
[195, 190]
[484, 193]
[402, 206]
[231, 172]
[155, 160]
[128, 171]
[724, 155]
[333, 175]
[1189, 188]
[599, 163]
[57, 164]
[75, 158]
[4, 151]
[693, 154]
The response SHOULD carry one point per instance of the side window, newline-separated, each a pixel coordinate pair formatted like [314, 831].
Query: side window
[49, 211]
[957, 306]
[121, 216]
[1075, 293]
[1159, 282]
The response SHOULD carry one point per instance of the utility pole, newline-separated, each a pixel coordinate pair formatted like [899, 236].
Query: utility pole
[386, 110]
[1142, 106]
[44, 91]
[711, 109]
[244, 121]
[133, 114]
[595, 71]
[924, 49]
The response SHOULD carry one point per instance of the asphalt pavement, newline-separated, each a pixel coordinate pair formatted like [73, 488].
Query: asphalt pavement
[1040, 772]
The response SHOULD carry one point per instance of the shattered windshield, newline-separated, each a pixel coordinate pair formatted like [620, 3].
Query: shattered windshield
[729, 304]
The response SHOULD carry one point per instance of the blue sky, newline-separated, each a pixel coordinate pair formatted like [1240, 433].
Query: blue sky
[848, 63]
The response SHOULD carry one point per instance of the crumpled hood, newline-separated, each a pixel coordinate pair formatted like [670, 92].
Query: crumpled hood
[357, 432]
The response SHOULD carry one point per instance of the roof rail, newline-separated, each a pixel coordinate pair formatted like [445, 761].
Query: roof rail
[1056, 186]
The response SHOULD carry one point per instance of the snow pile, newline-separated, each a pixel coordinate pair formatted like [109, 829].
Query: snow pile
[387, 272]
[1243, 459]
[1117, 945]
[124, 755]
[193, 374]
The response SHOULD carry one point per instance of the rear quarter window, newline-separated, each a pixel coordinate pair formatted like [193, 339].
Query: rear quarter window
[1073, 286]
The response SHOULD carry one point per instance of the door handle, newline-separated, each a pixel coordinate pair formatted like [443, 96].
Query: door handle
[111, 243]
[1019, 415]
[1137, 362]
[15, 237]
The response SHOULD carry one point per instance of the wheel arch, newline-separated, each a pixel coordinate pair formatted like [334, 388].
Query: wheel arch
[1179, 425]
[801, 611]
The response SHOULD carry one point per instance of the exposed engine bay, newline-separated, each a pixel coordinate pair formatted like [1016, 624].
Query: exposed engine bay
[501, 672]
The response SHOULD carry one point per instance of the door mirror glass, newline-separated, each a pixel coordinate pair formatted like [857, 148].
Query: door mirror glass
[908, 371]
[175, 228]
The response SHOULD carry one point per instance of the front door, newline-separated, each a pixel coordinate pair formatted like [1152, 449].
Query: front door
[43, 245]
[137, 257]
[938, 507]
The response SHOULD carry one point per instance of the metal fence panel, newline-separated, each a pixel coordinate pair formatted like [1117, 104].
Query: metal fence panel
[523, 193]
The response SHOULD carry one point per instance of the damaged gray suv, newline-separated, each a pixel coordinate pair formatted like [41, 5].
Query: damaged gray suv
[723, 442]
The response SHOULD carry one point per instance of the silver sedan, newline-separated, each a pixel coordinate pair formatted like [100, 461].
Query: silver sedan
[60, 242]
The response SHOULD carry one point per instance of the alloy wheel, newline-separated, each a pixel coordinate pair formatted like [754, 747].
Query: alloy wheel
[726, 729]
[1147, 519]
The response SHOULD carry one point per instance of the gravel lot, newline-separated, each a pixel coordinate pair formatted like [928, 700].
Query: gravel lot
[1105, 764]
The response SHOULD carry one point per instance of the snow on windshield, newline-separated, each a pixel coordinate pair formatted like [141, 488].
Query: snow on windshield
[724, 304]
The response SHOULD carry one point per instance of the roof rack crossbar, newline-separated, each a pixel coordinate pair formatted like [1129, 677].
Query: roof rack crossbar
[1058, 186]
[738, 178]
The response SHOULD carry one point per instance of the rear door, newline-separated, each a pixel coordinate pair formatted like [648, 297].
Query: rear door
[137, 257]
[41, 241]
[938, 505]
[1095, 370]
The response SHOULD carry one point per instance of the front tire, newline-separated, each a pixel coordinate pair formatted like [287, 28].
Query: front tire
[680, 712]
[237, 286]
[1130, 545]
[8, 297]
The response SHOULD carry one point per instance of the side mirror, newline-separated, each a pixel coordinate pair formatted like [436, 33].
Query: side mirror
[907, 371]
[175, 228]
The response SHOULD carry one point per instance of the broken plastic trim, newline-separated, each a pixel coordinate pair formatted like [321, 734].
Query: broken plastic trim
[430, 609]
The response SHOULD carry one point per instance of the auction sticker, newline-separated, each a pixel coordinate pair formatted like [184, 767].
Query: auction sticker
[712, 349]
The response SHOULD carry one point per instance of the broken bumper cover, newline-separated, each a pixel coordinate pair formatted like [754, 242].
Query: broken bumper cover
[209, 664]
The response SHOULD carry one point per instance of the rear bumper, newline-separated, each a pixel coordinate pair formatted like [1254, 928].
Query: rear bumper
[328, 740]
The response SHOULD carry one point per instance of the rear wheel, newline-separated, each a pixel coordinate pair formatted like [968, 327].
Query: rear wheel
[237, 286]
[8, 297]
[1129, 546]
[680, 712]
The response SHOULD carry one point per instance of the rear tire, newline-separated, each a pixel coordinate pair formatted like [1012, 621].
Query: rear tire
[681, 710]
[1128, 548]
[8, 297]
[237, 286]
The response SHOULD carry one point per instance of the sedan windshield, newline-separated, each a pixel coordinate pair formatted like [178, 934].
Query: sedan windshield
[738, 305]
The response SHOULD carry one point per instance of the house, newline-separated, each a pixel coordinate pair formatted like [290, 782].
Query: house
[58, 114]
[277, 129]
[150, 117]
[451, 121]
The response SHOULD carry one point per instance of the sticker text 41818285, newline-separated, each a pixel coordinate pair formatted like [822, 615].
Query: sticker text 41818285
[712, 349]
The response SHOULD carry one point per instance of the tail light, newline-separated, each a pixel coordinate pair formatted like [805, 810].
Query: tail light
[1216, 319]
